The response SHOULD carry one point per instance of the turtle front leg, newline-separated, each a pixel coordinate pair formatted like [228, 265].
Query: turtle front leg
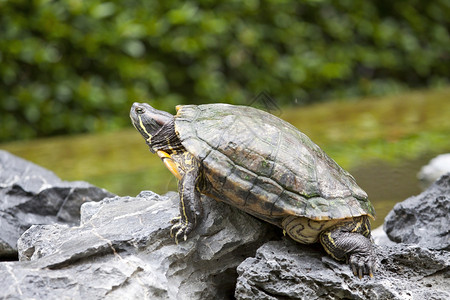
[351, 242]
[190, 205]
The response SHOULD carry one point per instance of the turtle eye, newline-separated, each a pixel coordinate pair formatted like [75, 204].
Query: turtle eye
[139, 110]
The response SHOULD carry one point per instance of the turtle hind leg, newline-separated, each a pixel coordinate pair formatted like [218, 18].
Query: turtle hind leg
[351, 241]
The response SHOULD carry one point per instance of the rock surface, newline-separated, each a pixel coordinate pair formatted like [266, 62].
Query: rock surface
[423, 219]
[123, 250]
[437, 167]
[283, 270]
[417, 270]
[30, 194]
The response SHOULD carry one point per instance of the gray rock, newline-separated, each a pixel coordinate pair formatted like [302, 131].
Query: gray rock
[286, 270]
[122, 249]
[437, 167]
[30, 194]
[423, 219]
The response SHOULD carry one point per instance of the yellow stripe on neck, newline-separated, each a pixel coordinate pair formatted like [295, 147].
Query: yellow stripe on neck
[149, 139]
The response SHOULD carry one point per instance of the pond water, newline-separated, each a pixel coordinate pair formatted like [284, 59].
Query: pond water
[389, 183]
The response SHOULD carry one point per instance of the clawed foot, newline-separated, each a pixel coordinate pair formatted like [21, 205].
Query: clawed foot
[362, 265]
[180, 229]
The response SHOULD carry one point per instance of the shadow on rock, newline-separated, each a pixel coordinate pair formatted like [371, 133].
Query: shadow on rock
[30, 194]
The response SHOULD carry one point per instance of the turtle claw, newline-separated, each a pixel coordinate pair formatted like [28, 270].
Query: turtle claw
[354, 270]
[175, 220]
[181, 233]
[361, 265]
[176, 227]
[180, 229]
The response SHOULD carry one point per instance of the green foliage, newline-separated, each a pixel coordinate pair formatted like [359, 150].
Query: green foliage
[76, 66]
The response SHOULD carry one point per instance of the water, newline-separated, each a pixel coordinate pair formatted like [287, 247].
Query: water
[389, 183]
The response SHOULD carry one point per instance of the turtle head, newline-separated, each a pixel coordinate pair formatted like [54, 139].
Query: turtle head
[149, 121]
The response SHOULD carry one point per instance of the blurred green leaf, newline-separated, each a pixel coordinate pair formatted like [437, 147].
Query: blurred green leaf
[75, 66]
[103, 10]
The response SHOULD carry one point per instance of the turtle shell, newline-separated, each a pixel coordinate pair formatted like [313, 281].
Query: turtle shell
[265, 166]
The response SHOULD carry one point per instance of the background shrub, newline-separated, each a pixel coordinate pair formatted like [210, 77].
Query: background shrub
[76, 66]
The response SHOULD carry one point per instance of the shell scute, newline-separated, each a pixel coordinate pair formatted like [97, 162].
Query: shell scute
[266, 166]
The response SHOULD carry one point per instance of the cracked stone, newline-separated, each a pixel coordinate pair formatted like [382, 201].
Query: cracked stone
[423, 219]
[122, 249]
[30, 194]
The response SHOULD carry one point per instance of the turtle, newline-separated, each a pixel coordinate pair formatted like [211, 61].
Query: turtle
[266, 167]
